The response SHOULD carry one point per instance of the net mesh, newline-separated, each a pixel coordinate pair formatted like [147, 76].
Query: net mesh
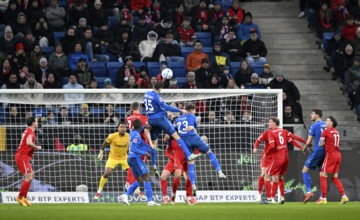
[232, 120]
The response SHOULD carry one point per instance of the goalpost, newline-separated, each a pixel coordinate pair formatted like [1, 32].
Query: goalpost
[231, 119]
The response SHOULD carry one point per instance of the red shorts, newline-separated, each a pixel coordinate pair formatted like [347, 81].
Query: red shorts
[23, 165]
[265, 161]
[179, 162]
[170, 166]
[278, 166]
[331, 163]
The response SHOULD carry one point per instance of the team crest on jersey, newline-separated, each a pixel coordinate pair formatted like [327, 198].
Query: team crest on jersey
[135, 140]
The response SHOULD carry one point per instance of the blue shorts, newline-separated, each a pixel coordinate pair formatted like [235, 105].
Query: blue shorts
[160, 124]
[315, 160]
[138, 166]
[194, 141]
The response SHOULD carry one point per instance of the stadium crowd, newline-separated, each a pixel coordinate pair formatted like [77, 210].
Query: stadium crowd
[83, 44]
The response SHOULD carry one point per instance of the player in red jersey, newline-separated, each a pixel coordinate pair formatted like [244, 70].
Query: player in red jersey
[265, 161]
[278, 139]
[176, 165]
[23, 156]
[330, 139]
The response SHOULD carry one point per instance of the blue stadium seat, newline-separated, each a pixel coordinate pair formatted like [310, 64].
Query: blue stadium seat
[113, 22]
[258, 67]
[137, 65]
[65, 80]
[96, 111]
[208, 50]
[98, 68]
[135, 20]
[63, 3]
[73, 111]
[2, 115]
[39, 112]
[205, 38]
[326, 37]
[178, 69]
[181, 81]
[121, 111]
[186, 50]
[100, 81]
[47, 51]
[58, 36]
[235, 66]
[154, 68]
[112, 68]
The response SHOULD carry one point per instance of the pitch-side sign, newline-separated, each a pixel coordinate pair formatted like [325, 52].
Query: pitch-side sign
[48, 197]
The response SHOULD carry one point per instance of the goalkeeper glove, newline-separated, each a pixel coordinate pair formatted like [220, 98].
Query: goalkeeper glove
[101, 154]
[156, 172]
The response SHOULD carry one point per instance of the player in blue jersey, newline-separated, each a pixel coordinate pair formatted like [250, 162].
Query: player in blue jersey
[187, 127]
[137, 149]
[156, 111]
[316, 158]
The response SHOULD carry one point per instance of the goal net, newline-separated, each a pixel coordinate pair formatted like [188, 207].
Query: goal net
[74, 124]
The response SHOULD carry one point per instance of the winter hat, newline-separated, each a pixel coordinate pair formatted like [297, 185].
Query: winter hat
[191, 74]
[42, 60]
[143, 68]
[97, 2]
[128, 58]
[279, 73]
[107, 81]
[266, 65]
[248, 14]
[7, 29]
[226, 68]
[254, 76]
[19, 46]
[204, 60]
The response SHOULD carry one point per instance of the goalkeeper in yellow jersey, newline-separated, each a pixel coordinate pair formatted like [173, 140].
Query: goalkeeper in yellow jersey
[119, 146]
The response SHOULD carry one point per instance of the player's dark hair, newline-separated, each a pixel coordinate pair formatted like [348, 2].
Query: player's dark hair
[135, 106]
[317, 112]
[198, 41]
[30, 121]
[190, 106]
[137, 124]
[275, 120]
[334, 121]
[121, 123]
[158, 85]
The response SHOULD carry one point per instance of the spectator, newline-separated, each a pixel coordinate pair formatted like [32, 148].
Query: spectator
[75, 57]
[147, 47]
[242, 76]
[58, 61]
[84, 73]
[229, 118]
[341, 14]
[357, 102]
[325, 20]
[19, 59]
[68, 41]
[43, 32]
[254, 82]
[109, 116]
[71, 98]
[191, 82]
[51, 82]
[352, 80]
[231, 84]
[4, 4]
[165, 26]
[78, 10]
[232, 46]
[7, 42]
[225, 76]
[104, 35]
[122, 76]
[214, 83]
[125, 47]
[23, 74]
[123, 26]
[13, 117]
[186, 33]
[219, 58]
[41, 71]
[156, 13]
[193, 60]
[11, 13]
[98, 15]
[203, 75]
[200, 15]
[125, 15]
[34, 58]
[246, 117]
[12, 82]
[84, 116]
[173, 83]
[6, 70]
[131, 83]
[211, 118]
[279, 82]
[137, 5]
[31, 83]
[21, 27]
[235, 13]
[93, 47]
[168, 50]
[78, 144]
[50, 119]
[289, 117]
[343, 60]
[141, 30]
[144, 79]
[153, 80]
[179, 12]
[63, 116]
[295, 106]
[334, 45]
[349, 30]
[254, 49]
[243, 31]
[55, 15]
[221, 29]
[34, 11]
[93, 84]
[266, 76]
[355, 42]
[172, 7]
[216, 13]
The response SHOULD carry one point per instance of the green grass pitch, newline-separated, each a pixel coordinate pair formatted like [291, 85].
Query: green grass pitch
[205, 211]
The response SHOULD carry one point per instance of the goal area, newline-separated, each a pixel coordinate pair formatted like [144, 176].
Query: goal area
[74, 124]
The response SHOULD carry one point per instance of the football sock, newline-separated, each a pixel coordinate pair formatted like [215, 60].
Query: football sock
[153, 157]
[214, 161]
[261, 182]
[184, 147]
[176, 183]
[24, 189]
[339, 185]
[323, 184]
[164, 187]
[268, 188]
[148, 191]
[102, 183]
[282, 187]
[188, 188]
[191, 172]
[132, 188]
[274, 189]
[130, 177]
[307, 181]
